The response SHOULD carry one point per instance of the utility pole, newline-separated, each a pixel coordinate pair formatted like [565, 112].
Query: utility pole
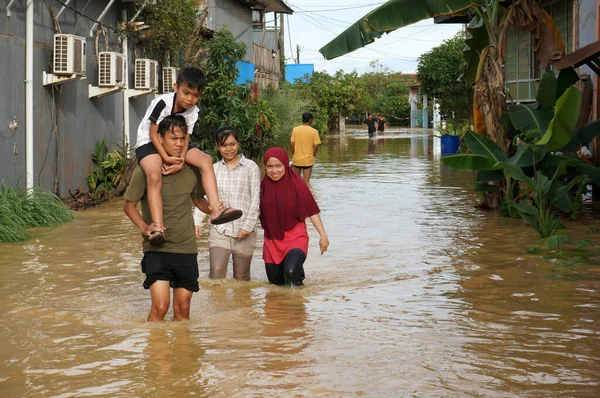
[281, 47]
[297, 53]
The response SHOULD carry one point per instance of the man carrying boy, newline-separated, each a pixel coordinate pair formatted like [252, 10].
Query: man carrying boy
[304, 144]
[174, 264]
[154, 160]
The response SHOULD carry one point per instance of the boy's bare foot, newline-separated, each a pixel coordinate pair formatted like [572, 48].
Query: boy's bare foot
[157, 238]
[156, 234]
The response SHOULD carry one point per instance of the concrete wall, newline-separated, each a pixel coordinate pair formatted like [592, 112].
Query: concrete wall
[236, 18]
[67, 124]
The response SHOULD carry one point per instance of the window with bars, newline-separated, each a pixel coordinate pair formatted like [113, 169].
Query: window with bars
[522, 70]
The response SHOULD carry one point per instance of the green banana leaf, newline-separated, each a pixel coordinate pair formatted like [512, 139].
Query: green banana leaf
[574, 166]
[530, 117]
[525, 209]
[566, 113]
[578, 167]
[528, 155]
[517, 173]
[476, 40]
[539, 115]
[546, 95]
[469, 162]
[560, 194]
[388, 17]
[583, 136]
[484, 146]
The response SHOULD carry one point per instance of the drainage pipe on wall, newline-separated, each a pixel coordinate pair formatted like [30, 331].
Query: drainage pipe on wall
[126, 136]
[29, 94]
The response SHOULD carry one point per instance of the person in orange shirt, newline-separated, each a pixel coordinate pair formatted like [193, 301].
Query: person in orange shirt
[304, 144]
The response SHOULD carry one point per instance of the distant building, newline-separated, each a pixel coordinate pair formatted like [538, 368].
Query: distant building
[246, 19]
[579, 25]
[47, 138]
[69, 118]
[298, 71]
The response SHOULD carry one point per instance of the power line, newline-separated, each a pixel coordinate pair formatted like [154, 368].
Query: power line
[290, 36]
[85, 16]
[319, 25]
[339, 9]
[337, 6]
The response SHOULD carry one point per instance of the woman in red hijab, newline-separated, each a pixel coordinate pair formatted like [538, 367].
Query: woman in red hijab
[285, 203]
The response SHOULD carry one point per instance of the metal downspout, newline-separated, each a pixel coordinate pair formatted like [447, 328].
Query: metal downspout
[29, 94]
[126, 133]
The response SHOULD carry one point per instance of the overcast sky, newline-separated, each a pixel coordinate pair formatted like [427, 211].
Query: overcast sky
[316, 22]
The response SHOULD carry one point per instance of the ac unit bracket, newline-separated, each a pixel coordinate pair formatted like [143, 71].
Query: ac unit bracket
[50, 78]
[97, 92]
[131, 93]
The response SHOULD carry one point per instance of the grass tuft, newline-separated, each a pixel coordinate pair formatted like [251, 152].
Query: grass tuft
[21, 210]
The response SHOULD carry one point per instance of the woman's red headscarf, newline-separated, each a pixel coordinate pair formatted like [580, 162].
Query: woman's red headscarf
[284, 203]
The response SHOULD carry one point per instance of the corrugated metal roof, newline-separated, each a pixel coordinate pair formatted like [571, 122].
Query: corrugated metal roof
[267, 5]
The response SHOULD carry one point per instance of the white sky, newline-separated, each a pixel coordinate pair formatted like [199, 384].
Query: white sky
[316, 22]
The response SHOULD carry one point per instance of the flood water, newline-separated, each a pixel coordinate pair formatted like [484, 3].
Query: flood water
[420, 294]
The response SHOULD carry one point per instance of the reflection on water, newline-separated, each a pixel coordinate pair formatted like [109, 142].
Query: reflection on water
[420, 294]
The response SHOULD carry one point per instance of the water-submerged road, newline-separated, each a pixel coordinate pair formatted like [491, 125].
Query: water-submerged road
[420, 294]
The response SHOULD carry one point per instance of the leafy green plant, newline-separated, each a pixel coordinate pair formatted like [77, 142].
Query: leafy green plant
[170, 26]
[553, 115]
[567, 251]
[97, 179]
[528, 169]
[22, 209]
[439, 72]
[109, 167]
[539, 215]
[224, 102]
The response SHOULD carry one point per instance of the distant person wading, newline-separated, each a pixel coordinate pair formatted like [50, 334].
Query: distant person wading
[304, 144]
[371, 125]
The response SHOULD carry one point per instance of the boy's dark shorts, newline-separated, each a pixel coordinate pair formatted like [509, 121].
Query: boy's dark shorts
[148, 149]
[181, 270]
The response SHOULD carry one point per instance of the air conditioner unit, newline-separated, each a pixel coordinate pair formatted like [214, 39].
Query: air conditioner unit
[111, 69]
[69, 55]
[169, 76]
[146, 74]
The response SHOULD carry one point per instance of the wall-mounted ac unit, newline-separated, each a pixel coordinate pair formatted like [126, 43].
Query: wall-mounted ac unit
[111, 69]
[169, 76]
[146, 74]
[69, 55]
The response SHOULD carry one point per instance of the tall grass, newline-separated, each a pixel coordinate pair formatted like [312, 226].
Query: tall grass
[288, 109]
[21, 209]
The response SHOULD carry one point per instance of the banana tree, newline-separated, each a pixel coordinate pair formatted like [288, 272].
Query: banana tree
[547, 179]
[485, 39]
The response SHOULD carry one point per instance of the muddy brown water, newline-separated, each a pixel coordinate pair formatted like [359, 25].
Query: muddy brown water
[420, 294]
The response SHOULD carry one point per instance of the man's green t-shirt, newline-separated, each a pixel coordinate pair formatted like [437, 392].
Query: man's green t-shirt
[177, 192]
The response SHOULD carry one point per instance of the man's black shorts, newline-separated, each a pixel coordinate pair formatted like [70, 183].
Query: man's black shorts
[303, 167]
[149, 149]
[181, 270]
